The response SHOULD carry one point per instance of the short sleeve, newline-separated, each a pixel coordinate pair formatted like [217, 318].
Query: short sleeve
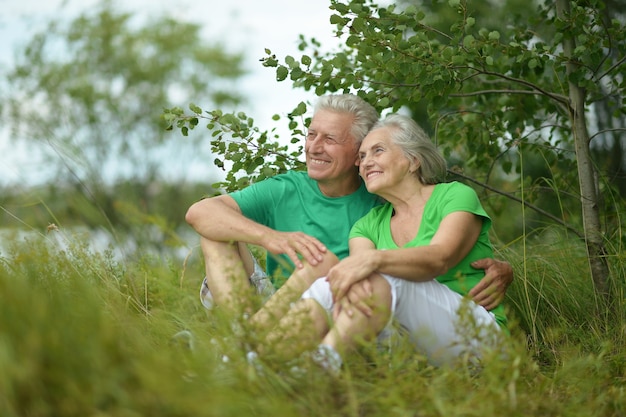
[373, 225]
[258, 200]
[461, 197]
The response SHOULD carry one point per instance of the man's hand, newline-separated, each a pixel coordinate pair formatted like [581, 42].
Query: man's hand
[490, 291]
[293, 244]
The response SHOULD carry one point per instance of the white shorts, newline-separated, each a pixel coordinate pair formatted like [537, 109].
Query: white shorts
[440, 322]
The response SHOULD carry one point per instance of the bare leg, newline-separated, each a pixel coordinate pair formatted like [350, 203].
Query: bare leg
[228, 266]
[352, 326]
[307, 324]
[278, 305]
[298, 331]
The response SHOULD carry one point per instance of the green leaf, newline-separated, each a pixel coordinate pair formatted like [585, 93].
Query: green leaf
[291, 62]
[281, 73]
[353, 41]
[358, 24]
[468, 41]
[299, 110]
[267, 171]
[270, 62]
[355, 7]
[195, 108]
[411, 10]
[335, 19]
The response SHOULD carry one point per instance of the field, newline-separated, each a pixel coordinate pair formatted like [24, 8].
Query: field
[83, 333]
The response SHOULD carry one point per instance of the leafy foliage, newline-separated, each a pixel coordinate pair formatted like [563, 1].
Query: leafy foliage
[244, 152]
[87, 92]
[497, 97]
[92, 90]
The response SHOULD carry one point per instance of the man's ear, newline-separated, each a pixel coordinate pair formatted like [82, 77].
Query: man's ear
[357, 159]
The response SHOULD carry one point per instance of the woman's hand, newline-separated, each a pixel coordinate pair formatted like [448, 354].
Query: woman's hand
[351, 270]
[359, 297]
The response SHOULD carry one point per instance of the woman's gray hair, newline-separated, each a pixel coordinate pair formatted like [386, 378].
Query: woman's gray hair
[365, 115]
[415, 143]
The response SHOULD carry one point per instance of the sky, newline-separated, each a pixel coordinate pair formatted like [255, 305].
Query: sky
[247, 26]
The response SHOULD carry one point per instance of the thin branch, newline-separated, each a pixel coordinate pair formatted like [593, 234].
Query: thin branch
[609, 49]
[617, 129]
[477, 93]
[617, 64]
[437, 31]
[519, 200]
[558, 97]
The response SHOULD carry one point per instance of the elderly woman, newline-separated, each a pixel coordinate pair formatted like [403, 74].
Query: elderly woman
[428, 231]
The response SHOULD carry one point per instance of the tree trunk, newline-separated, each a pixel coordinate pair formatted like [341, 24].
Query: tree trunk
[586, 172]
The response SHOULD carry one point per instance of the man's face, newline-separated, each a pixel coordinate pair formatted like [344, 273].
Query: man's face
[330, 148]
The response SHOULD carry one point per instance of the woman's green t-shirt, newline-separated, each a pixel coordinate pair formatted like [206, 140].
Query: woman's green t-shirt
[445, 199]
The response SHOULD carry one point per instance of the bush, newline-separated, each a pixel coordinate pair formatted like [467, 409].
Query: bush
[83, 334]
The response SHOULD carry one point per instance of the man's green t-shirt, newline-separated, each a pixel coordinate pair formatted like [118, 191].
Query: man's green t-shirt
[293, 202]
[445, 199]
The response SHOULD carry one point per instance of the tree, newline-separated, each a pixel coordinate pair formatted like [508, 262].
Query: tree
[90, 90]
[492, 94]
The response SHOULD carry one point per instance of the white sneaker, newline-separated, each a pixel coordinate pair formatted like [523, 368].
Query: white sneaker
[327, 358]
[206, 298]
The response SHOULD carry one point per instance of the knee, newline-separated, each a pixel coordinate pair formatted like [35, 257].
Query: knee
[311, 313]
[375, 307]
[321, 269]
[219, 250]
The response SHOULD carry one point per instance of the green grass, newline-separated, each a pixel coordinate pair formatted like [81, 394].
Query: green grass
[82, 334]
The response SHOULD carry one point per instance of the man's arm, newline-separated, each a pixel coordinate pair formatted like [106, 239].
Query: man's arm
[220, 219]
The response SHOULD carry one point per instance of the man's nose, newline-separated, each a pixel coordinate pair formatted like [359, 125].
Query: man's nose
[315, 144]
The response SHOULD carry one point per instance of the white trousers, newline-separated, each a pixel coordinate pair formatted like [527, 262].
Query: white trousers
[440, 322]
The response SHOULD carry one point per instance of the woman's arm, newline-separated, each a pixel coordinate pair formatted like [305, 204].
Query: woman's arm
[455, 237]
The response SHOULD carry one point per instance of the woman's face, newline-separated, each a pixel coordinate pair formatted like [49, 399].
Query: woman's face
[382, 164]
